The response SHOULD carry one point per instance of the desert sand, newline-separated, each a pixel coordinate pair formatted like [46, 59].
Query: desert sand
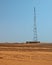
[25, 54]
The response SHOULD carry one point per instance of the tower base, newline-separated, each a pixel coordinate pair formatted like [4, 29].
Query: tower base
[33, 42]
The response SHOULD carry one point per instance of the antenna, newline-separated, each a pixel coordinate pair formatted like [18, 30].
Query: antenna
[35, 39]
[35, 27]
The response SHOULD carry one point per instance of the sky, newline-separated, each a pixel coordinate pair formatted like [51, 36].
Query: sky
[17, 20]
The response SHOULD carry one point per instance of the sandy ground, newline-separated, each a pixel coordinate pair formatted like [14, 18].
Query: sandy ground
[18, 54]
[25, 58]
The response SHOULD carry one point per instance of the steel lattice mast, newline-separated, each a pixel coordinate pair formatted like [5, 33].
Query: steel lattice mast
[35, 28]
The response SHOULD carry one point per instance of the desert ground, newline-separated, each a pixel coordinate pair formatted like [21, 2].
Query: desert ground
[25, 54]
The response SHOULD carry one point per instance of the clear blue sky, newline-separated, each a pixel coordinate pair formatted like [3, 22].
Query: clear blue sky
[16, 20]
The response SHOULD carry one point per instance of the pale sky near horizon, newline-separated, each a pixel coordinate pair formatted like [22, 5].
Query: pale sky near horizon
[17, 18]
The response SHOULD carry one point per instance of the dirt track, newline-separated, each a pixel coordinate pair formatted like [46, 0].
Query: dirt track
[25, 54]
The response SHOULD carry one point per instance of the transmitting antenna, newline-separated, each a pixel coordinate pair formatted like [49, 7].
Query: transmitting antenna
[35, 28]
[35, 38]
